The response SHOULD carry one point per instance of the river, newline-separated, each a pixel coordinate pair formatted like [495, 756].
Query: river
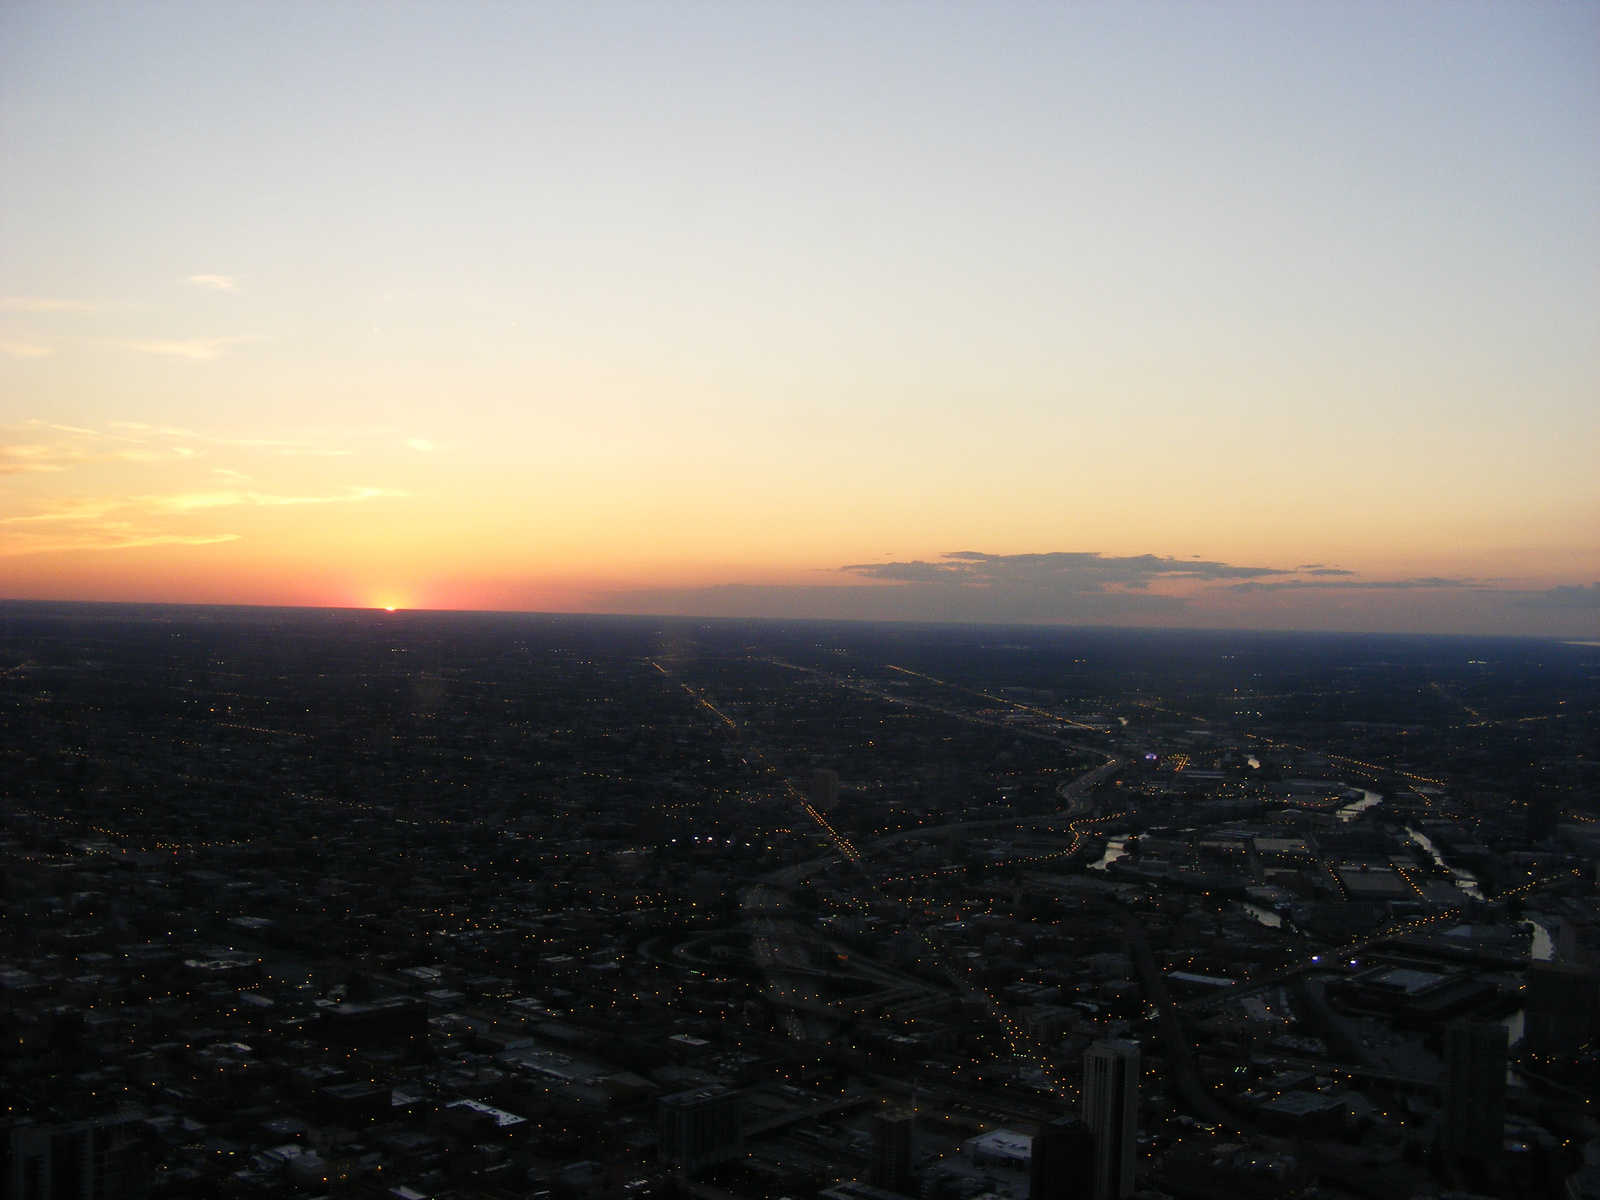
[1465, 880]
[1113, 852]
[1351, 811]
[1544, 947]
[1265, 915]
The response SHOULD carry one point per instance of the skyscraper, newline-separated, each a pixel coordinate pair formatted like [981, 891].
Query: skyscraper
[699, 1128]
[891, 1149]
[1111, 1108]
[1063, 1161]
[86, 1160]
[1474, 1090]
[824, 788]
[1563, 1006]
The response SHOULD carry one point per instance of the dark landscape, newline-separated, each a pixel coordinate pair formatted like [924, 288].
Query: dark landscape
[349, 903]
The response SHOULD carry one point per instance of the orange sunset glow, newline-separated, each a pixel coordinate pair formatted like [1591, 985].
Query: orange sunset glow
[1255, 316]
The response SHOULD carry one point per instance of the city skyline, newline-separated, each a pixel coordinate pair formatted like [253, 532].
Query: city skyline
[1257, 317]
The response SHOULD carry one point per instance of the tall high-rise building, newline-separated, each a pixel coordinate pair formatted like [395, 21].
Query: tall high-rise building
[1563, 1006]
[86, 1160]
[1111, 1108]
[1063, 1161]
[1474, 1089]
[699, 1128]
[891, 1149]
[824, 788]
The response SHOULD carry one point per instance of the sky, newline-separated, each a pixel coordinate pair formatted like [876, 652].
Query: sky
[1279, 315]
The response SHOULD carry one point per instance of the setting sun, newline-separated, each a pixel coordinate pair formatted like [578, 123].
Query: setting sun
[948, 313]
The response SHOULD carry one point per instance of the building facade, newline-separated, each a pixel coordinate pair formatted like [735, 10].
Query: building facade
[1111, 1109]
[824, 788]
[891, 1149]
[1063, 1161]
[86, 1160]
[699, 1128]
[1563, 1006]
[1474, 1090]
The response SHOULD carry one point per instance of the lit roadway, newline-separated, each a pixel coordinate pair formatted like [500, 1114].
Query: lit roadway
[777, 945]
[878, 693]
[1075, 792]
[780, 947]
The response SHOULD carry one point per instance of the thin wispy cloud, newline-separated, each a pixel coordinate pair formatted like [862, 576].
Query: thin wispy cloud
[139, 427]
[290, 446]
[1426, 583]
[28, 460]
[215, 283]
[420, 444]
[41, 446]
[89, 508]
[104, 538]
[82, 508]
[13, 348]
[110, 519]
[126, 522]
[353, 495]
[196, 349]
[40, 449]
[86, 432]
[33, 458]
[194, 501]
[188, 502]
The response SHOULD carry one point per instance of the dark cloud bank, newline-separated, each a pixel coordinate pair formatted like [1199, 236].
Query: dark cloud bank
[965, 585]
[1064, 572]
[1084, 587]
[1569, 597]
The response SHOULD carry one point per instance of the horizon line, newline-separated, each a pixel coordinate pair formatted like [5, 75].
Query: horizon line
[380, 610]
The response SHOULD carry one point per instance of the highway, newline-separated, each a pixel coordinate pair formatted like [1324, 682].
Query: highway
[780, 951]
[1180, 1059]
[781, 945]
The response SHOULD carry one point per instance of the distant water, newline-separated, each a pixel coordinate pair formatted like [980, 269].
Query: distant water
[1265, 915]
[1113, 852]
[1544, 946]
[1465, 880]
[1351, 811]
